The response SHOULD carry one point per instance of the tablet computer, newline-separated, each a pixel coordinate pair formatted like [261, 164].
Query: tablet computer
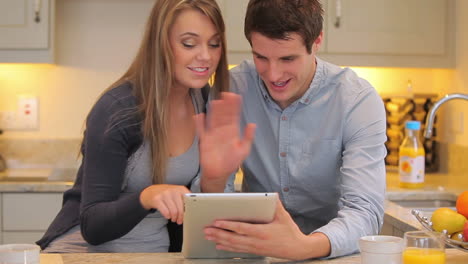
[201, 209]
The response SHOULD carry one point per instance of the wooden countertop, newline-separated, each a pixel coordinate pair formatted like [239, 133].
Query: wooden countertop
[453, 257]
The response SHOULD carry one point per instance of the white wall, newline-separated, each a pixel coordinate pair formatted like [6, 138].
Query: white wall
[95, 43]
[457, 111]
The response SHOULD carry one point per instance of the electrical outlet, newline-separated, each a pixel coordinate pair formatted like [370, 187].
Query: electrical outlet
[28, 112]
[8, 120]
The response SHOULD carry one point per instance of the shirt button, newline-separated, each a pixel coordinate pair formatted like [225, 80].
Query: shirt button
[284, 118]
[283, 154]
[286, 189]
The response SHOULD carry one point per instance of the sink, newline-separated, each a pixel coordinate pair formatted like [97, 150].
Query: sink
[400, 203]
[436, 203]
[425, 201]
[427, 207]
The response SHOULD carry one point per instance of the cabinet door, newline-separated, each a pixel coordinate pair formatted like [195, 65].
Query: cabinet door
[19, 28]
[22, 39]
[388, 27]
[29, 211]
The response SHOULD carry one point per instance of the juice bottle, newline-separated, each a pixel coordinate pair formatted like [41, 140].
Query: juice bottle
[411, 152]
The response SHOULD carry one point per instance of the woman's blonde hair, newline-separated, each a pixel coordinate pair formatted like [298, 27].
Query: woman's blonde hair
[151, 73]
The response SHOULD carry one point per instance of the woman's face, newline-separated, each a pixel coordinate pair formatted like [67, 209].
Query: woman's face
[196, 46]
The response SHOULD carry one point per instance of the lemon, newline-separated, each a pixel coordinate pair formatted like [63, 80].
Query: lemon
[448, 219]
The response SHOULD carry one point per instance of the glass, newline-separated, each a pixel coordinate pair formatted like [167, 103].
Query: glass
[381, 249]
[19, 254]
[423, 247]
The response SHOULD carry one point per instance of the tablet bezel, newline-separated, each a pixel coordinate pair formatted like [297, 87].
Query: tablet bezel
[202, 209]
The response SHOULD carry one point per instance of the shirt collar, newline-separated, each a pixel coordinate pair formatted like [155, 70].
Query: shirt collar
[314, 86]
[263, 90]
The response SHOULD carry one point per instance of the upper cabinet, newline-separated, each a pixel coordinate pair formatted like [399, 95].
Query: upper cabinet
[388, 33]
[387, 27]
[399, 33]
[26, 31]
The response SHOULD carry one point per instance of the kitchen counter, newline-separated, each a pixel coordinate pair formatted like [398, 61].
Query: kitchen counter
[401, 217]
[60, 180]
[452, 182]
[37, 180]
[453, 257]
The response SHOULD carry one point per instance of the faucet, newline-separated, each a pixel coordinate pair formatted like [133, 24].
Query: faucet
[431, 114]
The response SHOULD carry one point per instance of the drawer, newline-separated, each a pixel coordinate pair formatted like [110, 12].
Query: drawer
[29, 211]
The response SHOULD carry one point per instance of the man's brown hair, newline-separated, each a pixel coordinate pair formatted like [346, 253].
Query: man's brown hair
[276, 19]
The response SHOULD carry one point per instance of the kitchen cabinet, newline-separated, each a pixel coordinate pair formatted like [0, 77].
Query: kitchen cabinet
[389, 33]
[388, 229]
[27, 31]
[399, 33]
[399, 27]
[26, 216]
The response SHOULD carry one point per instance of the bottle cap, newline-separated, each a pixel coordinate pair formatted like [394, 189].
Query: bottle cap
[413, 125]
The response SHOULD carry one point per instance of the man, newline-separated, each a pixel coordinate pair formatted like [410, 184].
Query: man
[319, 140]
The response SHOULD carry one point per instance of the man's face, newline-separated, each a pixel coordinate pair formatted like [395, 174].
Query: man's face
[285, 66]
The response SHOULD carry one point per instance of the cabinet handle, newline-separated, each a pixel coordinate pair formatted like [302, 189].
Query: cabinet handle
[37, 11]
[338, 14]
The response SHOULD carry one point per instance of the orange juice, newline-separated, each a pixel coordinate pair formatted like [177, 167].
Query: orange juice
[423, 256]
[411, 163]
[411, 167]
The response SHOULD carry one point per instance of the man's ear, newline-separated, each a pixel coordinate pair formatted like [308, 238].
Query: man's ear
[318, 42]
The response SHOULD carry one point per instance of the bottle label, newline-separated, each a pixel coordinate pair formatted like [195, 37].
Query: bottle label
[412, 169]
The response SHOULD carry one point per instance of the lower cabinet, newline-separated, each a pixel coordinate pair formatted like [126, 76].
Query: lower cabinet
[26, 216]
[390, 230]
[395, 227]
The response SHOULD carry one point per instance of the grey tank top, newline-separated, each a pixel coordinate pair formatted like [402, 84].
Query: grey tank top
[150, 235]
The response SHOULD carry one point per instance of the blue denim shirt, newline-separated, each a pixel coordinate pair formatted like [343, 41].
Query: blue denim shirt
[324, 153]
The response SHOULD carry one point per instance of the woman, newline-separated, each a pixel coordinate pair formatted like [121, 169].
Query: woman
[140, 149]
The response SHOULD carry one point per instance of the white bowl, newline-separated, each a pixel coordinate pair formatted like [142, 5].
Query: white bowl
[381, 249]
[19, 253]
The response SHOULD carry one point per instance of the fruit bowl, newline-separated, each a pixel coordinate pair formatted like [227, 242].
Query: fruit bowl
[463, 246]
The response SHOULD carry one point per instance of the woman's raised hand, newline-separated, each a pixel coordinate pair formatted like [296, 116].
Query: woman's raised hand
[222, 149]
